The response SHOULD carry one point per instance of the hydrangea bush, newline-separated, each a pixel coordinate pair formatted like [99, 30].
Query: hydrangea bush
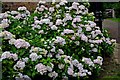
[56, 42]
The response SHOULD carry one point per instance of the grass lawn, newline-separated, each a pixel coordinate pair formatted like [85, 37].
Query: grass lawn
[115, 19]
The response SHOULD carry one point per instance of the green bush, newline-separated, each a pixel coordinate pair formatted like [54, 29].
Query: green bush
[59, 42]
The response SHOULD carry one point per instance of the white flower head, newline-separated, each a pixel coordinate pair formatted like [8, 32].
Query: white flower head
[70, 71]
[77, 19]
[62, 2]
[68, 31]
[19, 65]
[60, 51]
[99, 60]
[89, 73]
[33, 56]
[14, 12]
[61, 66]
[41, 32]
[68, 17]
[46, 21]
[113, 41]
[7, 35]
[22, 77]
[49, 68]
[20, 43]
[83, 74]
[58, 22]
[75, 62]
[5, 55]
[88, 61]
[12, 41]
[14, 56]
[88, 28]
[25, 59]
[41, 68]
[53, 74]
[60, 40]
[81, 7]
[54, 27]
[57, 5]
[84, 38]
[94, 50]
[75, 5]
[42, 1]
[44, 52]
[77, 42]
[51, 9]
[22, 8]
[53, 49]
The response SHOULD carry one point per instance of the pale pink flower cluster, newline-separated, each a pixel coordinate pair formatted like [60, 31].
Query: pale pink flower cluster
[19, 65]
[77, 19]
[113, 41]
[51, 9]
[79, 8]
[88, 28]
[84, 38]
[63, 2]
[92, 24]
[8, 55]
[67, 17]
[53, 74]
[22, 13]
[75, 64]
[93, 34]
[60, 40]
[4, 23]
[95, 50]
[37, 24]
[14, 12]
[75, 5]
[34, 56]
[41, 68]
[22, 8]
[20, 43]
[22, 77]
[99, 60]
[61, 66]
[46, 21]
[96, 41]
[6, 35]
[3, 15]
[60, 51]
[68, 31]
[54, 27]
[88, 61]
[25, 59]
[41, 8]
[58, 22]
[35, 49]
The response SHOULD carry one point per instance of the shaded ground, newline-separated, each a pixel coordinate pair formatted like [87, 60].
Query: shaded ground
[111, 65]
[111, 70]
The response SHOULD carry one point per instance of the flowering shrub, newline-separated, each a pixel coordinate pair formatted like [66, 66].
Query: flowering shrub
[57, 42]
